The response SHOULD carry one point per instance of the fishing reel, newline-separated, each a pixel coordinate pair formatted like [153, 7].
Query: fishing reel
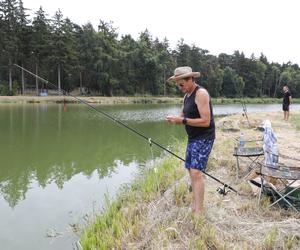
[223, 190]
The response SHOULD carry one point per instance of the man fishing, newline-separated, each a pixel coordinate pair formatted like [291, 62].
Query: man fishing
[197, 113]
[197, 116]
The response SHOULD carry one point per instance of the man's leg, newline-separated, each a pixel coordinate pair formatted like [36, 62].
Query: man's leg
[192, 184]
[284, 113]
[197, 179]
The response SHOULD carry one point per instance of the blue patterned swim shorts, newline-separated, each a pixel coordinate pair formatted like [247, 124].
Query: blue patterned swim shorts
[197, 153]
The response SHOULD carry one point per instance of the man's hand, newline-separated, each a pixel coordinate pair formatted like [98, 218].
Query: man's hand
[174, 119]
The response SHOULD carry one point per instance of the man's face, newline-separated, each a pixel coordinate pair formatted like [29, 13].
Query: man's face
[182, 85]
[284, 89]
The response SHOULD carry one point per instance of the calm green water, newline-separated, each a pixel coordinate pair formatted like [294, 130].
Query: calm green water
[57, 164]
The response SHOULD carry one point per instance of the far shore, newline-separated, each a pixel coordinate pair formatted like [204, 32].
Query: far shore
[129, 100]
[90, 99]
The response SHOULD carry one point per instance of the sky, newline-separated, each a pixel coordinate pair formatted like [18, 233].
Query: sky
[270, 27]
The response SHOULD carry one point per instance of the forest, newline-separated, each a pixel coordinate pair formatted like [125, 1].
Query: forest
[103, 63]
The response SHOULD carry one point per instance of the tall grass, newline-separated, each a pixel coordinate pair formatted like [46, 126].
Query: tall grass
[271, 239]
[120, 222]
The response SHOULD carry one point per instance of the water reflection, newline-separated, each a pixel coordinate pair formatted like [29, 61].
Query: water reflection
[46, 144]
[52, 143]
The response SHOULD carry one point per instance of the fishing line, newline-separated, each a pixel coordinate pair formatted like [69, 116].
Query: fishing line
[150, 141]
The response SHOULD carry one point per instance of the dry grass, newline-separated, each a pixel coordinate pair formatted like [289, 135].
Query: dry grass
[230, 222]
[233, 221]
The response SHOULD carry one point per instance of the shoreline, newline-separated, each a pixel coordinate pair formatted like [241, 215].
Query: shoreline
[132, 100]
[154, 212]
[89, 99]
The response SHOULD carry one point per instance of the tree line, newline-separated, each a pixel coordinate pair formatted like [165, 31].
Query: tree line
[99, 62]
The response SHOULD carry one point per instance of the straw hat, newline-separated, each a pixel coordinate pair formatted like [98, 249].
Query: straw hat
[183, 72]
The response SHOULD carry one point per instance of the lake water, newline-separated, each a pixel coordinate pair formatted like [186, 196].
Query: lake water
[57, 163]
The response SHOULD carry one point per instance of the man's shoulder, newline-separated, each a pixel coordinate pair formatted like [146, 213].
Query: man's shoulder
[202, 96]
[201, 90]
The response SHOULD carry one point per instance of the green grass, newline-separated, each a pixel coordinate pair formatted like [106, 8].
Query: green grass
[181, 194]
[135, 99]
[271, 239]
[291, 242]
[247, 100]
[120, 222]
[206, 237]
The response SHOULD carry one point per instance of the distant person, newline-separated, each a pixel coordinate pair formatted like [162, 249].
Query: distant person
[287, 98]
[197, 117]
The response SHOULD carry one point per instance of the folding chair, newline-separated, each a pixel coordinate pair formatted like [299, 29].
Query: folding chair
[288, 195]
[287, 174]
[250, 153]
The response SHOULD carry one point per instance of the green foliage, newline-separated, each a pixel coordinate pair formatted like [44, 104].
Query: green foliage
[4, 90]
[233, 85]
[215, 81]
[101, 63]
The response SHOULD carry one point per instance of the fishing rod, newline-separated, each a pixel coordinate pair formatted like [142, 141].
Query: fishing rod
[220, 190]
[245, 110]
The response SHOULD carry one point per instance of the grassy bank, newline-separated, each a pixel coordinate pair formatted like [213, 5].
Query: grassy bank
[125, 223]
[123, 219]
[130, 100]
[154, 212]
[94, 99]
[250, 100]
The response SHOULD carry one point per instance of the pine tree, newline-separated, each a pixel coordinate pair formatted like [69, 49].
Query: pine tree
[9, 11]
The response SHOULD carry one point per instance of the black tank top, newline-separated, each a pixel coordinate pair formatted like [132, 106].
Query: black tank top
[190, 110]
[286, 98]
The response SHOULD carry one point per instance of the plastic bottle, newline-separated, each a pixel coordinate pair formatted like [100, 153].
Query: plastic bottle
[242, 140]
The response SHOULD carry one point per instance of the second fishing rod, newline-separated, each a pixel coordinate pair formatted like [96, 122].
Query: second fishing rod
[220, 190]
